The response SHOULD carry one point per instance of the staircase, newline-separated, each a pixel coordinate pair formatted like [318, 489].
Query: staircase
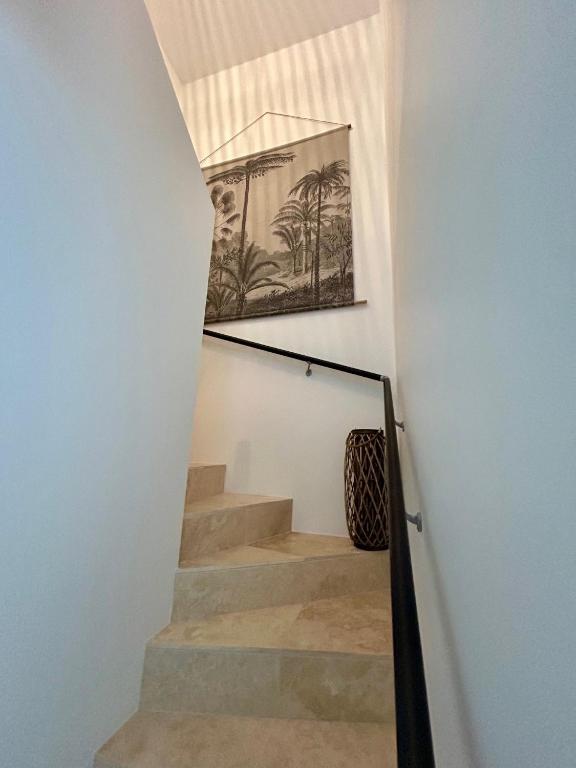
[279, 654]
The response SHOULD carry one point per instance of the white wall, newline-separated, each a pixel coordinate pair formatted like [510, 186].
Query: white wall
[486, 339]
[104, 225]
[278, 431]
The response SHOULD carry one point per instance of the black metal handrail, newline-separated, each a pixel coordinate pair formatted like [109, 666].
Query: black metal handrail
[413, 732]
[296, 356]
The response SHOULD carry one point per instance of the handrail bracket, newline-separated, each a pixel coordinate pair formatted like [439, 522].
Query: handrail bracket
[415, 520]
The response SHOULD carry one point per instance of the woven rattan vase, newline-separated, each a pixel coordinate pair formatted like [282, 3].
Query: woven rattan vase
[365, 489]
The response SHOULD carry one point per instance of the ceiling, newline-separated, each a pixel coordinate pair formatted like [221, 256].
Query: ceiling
[201, 37]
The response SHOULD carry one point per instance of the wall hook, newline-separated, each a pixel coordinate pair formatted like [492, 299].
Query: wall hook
[309, 370]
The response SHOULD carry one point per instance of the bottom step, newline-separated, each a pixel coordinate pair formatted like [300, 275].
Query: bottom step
[170, 740]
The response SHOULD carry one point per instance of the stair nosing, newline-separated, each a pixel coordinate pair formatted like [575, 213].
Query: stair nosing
[269, 563]
[273, 650]
[256, 500]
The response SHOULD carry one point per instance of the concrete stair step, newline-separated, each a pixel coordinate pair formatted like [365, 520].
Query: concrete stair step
[328, 659]
[167, 740]
[226, 520]
[287, 568]
[204, 480]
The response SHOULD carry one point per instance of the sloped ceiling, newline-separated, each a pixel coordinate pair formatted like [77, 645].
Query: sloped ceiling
[201, 37]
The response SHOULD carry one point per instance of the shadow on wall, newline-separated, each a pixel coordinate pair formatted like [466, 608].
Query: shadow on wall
[242, 460]
[207, 36]
[447, 707]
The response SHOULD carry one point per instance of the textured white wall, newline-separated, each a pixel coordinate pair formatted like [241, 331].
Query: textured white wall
[278, 431]
[486, 339]
[104, 225]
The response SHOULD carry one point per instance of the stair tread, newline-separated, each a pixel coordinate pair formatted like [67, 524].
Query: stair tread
[351, 624]
[285, 547]
[228, 501]
[176, 740]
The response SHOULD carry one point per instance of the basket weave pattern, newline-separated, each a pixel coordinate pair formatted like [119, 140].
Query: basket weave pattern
[365, 489]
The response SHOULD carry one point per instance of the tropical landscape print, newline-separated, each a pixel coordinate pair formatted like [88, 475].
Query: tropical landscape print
[282, 231]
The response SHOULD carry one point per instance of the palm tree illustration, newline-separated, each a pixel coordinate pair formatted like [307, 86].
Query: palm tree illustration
[224, 211]
[301, 213]
[342, 193]
[318, 185]
[291, 236]
[247, 277]
[337, 244]
[252, 169]
[218, 297]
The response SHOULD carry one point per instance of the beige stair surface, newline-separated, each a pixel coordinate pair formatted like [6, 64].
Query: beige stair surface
[279, 654]
[282, 547]
[168, 740]
[325, 659]
[287, 568]
[226, 520]
[204, 480]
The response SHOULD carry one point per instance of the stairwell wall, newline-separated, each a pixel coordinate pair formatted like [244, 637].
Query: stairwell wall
[105, 223]
[278, 431]
[485, 284]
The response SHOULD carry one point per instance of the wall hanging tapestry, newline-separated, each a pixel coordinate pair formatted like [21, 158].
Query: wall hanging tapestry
[283, 230]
